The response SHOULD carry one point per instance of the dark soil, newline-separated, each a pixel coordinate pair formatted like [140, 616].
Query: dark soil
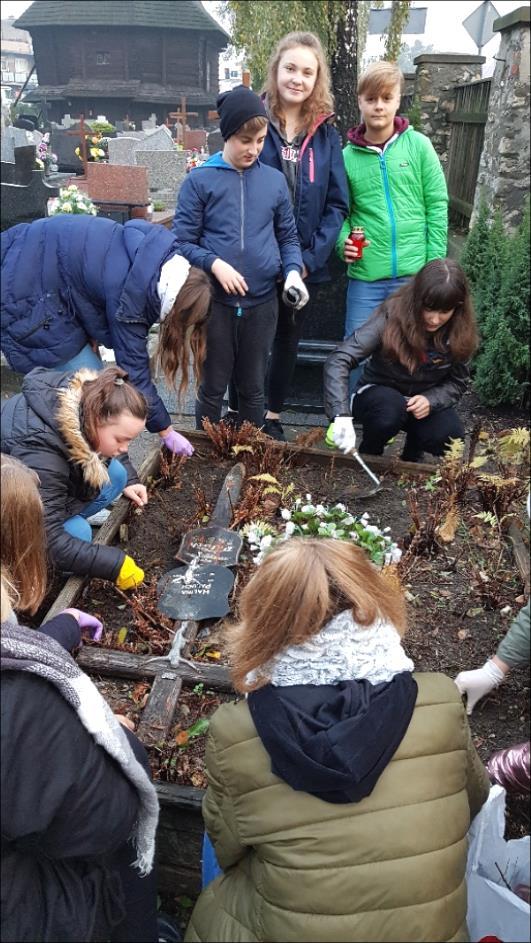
[461, 598]
[180, 759]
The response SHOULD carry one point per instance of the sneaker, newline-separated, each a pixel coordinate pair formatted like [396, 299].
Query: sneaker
[273, 428]
[96, 520]
[329, 437]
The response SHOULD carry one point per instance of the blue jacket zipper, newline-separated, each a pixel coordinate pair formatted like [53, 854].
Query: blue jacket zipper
[239, 309]
[394, 260]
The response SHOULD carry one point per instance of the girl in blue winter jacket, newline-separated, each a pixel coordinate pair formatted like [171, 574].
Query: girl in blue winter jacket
[70, 283]
[302, 143]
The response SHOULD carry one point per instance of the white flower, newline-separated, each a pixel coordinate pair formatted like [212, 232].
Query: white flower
[307, 509]
[285, 514]
[266, 542]
[396, 554]
[290, 528]
[340, 507]
[386, 530]
[72, 187]
[320, 510]
[348, 520]
[66, 207]
[371, 529]
[304, 527]
[365, 517]
[309, 498]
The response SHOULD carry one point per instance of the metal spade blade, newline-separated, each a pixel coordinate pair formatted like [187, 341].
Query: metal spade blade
[195, 592]
[366, 494]
[210, 545]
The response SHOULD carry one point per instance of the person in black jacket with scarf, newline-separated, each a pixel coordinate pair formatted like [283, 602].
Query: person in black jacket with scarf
[79, 810]
[419, 342]
[73, 430]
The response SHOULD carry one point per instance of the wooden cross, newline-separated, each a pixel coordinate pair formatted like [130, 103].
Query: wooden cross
[82, 134]
[246, 80]
[181, 115]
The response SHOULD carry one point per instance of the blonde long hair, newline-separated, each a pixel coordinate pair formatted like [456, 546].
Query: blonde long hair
[301, 585]
[23, 559]
[183, 332]
[321, 101]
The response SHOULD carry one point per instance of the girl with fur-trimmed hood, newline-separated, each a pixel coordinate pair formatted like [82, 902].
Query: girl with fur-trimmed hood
[74, 430]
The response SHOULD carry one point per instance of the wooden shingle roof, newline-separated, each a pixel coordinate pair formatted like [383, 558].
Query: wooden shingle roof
[169, 14]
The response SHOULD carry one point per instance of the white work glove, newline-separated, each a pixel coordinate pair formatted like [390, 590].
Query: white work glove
[476, 684]
[343, 433]
[295, 292]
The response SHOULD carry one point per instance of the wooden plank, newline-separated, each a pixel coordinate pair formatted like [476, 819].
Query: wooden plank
[468, 117]
[73, 586]
[114, 663]
[461, 206]
[521, 554]
[326, 456]
[158, 713]
[183, 797]
[228, 497]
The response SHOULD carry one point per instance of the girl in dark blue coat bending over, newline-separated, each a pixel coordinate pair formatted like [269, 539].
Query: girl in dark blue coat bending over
[70, 283]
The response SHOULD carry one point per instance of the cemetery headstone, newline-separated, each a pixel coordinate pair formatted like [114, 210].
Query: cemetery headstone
[64, 143]
[158, 139]
[14, 137]
[25, 193]
[195, 592]
[214, 142]
[151, 122]
[118, 184]
[166, 169]
[122, 150]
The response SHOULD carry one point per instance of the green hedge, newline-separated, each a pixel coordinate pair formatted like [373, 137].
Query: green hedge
[497, 266]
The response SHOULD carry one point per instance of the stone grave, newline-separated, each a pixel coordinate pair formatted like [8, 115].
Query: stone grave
[12, 138]
[195, 139]
[215, 142]
[166, 172]
[64, 143]
[150, 123]
[25, 192]
[117, 184]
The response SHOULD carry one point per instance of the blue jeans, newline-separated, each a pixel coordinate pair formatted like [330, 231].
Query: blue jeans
[78, 526]
[210, 868]
[85, 358]
[362, 299]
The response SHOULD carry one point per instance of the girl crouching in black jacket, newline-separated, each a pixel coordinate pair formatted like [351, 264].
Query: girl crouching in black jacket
[419, 342]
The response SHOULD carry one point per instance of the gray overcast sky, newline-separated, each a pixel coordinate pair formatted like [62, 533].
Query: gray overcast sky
[444, 28]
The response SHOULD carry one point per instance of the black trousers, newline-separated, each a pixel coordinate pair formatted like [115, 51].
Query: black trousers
[382, 412]
[283, 357]
[138, 894]
[238, 346]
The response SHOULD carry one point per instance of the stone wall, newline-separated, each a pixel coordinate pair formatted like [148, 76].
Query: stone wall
[437, 74]
[503, 178]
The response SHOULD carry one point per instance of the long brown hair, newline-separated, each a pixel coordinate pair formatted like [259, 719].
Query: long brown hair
[183, 332]
[22, 539]
[441, 285]
[107, 396]
[321, 101]
[300, 586]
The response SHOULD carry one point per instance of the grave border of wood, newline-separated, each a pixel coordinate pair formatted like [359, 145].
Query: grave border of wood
[131, 666]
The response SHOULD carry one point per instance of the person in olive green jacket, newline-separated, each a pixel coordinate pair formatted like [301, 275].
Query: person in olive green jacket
[340, 791]
[397, 194]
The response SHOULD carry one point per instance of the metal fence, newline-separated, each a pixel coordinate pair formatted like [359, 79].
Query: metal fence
[466, 144]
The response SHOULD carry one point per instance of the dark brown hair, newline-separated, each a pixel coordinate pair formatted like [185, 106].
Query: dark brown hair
[107, 396]
[22, 536]
[321, 100]
[301, 585]
[183, 331]
[441, 285]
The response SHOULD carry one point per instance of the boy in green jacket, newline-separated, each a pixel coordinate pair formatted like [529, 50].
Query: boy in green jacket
[398, 196]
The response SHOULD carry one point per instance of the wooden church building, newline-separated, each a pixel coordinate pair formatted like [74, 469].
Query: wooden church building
[125, 58]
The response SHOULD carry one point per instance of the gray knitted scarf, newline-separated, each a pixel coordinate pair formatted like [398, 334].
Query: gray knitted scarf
[26, 650]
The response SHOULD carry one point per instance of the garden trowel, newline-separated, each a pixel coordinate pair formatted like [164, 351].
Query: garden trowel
[378, 485]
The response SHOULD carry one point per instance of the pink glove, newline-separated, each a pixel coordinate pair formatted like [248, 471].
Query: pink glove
[177, 443]
[90, 623]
